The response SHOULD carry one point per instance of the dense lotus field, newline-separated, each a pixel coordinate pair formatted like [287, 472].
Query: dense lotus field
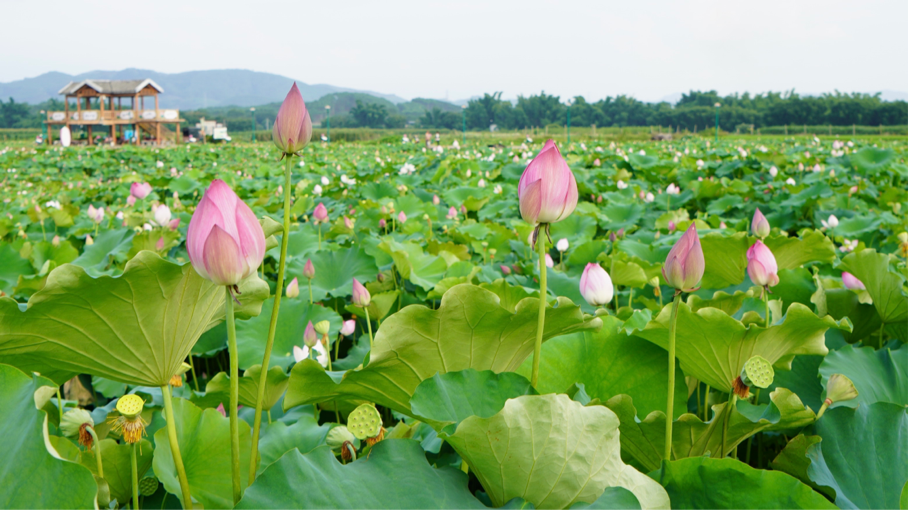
[412, 388]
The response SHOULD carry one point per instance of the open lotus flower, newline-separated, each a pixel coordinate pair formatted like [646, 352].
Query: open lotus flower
[759, 226]
[131, 200]
[321, 353]
[852, 283]
[761, 265]
[831, 222]
[684, 266]
[140, 191]
[596, 285]
[452, 213]
[547, 189]
[225, 241]
[96, 215]
[292, 126]
[162, 215]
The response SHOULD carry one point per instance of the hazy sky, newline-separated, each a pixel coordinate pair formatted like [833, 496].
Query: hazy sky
[461, 48]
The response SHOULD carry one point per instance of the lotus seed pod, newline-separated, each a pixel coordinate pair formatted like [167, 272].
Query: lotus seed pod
[338, 436]
[148, 486]
[757, 372]
[130, 423]
[73, 420]
[322, 327]
[840, 388]
[130, 405]
[364, 422]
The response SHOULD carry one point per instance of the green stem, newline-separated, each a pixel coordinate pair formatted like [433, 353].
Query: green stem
[630, 298]
[880, 338]
[730, 408]
[543, 290]
[97, 442]
[670, 406]
[706, 404]
[195, 379]
[823, 409]
[369, 325]
[234, 397]
[60, 404]
[766, 303]
[272, 327]
[310, 290]
[135, 477]
[337, 346]
[319, 227]
[175, 446]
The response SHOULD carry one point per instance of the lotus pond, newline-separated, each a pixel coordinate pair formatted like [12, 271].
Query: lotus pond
[115, 371]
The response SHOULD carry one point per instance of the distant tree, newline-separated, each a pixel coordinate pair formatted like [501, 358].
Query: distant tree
[369, 114]
[542, 110]
[12, 112]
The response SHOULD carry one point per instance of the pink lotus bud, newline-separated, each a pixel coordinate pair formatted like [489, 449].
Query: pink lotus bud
[402, 218]
[548, 261]
[293, 290]
[96, 215]
[597, 162]
[310, 337]
[221, 410]
[292, 126]
[55, 241]
[851, 282]
[852, 190]
[671, 226]
[160, 244]
[452, 214]
[361, 296]
[759, 226]
[382, 223]
[162, 215]
[89, 241]
[761, 265]
[620, 233]
[174, 224]
[348, 328]
[596, 285]
[225, 241]
[612, 237]
[547, 189]
[348, 223]
[130, 200]
[436, 200]
[320, 214]
[684, 266]
[140, 191]
[505, 270]
[309, 269]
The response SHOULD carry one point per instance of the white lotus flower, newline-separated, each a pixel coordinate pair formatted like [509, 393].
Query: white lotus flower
[773, 171]
[649, 197]
[831, 222]
[622, 184]
[321, 354]
[325, 181]
[162, 215]
[790, 181]
[317, 190]
[562, 245]
[673, 189]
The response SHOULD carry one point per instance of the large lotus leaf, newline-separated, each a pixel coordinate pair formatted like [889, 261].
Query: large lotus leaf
[31, 474]
[550, 451]
[726, 259]
[275, 385]
[645, 440]
[108, 246]
[728, 483]
[793, 460]
[576, 228]
[469, 330]
[334, 272]
[415, 265]
[793, 252]
[295, 313]
[847, 303]
[450, 398]
[12, 265]
[204, 439]
[863, 455]
[627, 274]
[879, 376]
[608, 363]
[883, 284]
[395, 475]
[279, 438]
[135, 329]
[872, 159]
[728, 303]
[118, 465]
[713, 347]
[613, 497]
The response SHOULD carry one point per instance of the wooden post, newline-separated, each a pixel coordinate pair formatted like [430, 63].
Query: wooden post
[50, 136]
[113, 135]
[157, 126]
[89, 135]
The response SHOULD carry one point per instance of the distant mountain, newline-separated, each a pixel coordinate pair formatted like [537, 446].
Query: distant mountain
[193, 89]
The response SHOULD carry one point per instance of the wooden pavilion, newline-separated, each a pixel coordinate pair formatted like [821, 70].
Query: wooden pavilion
[100, 103]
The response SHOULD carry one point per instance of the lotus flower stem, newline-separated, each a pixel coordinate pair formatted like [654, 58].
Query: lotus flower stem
[272, 328]
[310, 290]
[766, 303]
[732, 399]
[60, 404]
[670, 406]
[234, 396]
[135, 477]
[175, 446]
[94, 437]
[706, 404]
[369, 325]
[286, 192]
[630, 298]
[540, 326]
[195, 379]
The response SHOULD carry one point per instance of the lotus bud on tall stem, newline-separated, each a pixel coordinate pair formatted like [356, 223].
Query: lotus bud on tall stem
[670, 405]
[543, 293]
[362, 298]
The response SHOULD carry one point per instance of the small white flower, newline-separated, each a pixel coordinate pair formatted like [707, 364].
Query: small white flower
[673, 189]
[790, 181]
[497, 189]
[622, 184]
[649, 197]
[160, 164]
[700, 163]
[53, 204]
[321, 354]
[317, 189]
[562, 245]
[642, 152]
[773, 171]
[831, 222]
[325, 181]
[469, 173]
[482, 183]
[817, 168]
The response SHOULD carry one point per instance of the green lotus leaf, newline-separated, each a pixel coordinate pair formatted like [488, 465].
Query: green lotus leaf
[450, 398]
[879, 376]
[793, 460]
[279, 438]
[109, 246]
[415, 265]
[728, 483]
[509, 295]
[136, 328]
[118, 465]
[883, 284]
[334, 272]
[726, 259]
[713, 346]
[204, 439]
[863, 456]
[608, 362]
[379, 307]
[728, 303]
[550, 451]
[691, 437]
[275, 385]
[395, 475]
[613, 497]
[793, 252]
[33, 474]
[470, 329]
[627, 274]
[840, 303]
[294, 315]
[12, 266]
[872, 159]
